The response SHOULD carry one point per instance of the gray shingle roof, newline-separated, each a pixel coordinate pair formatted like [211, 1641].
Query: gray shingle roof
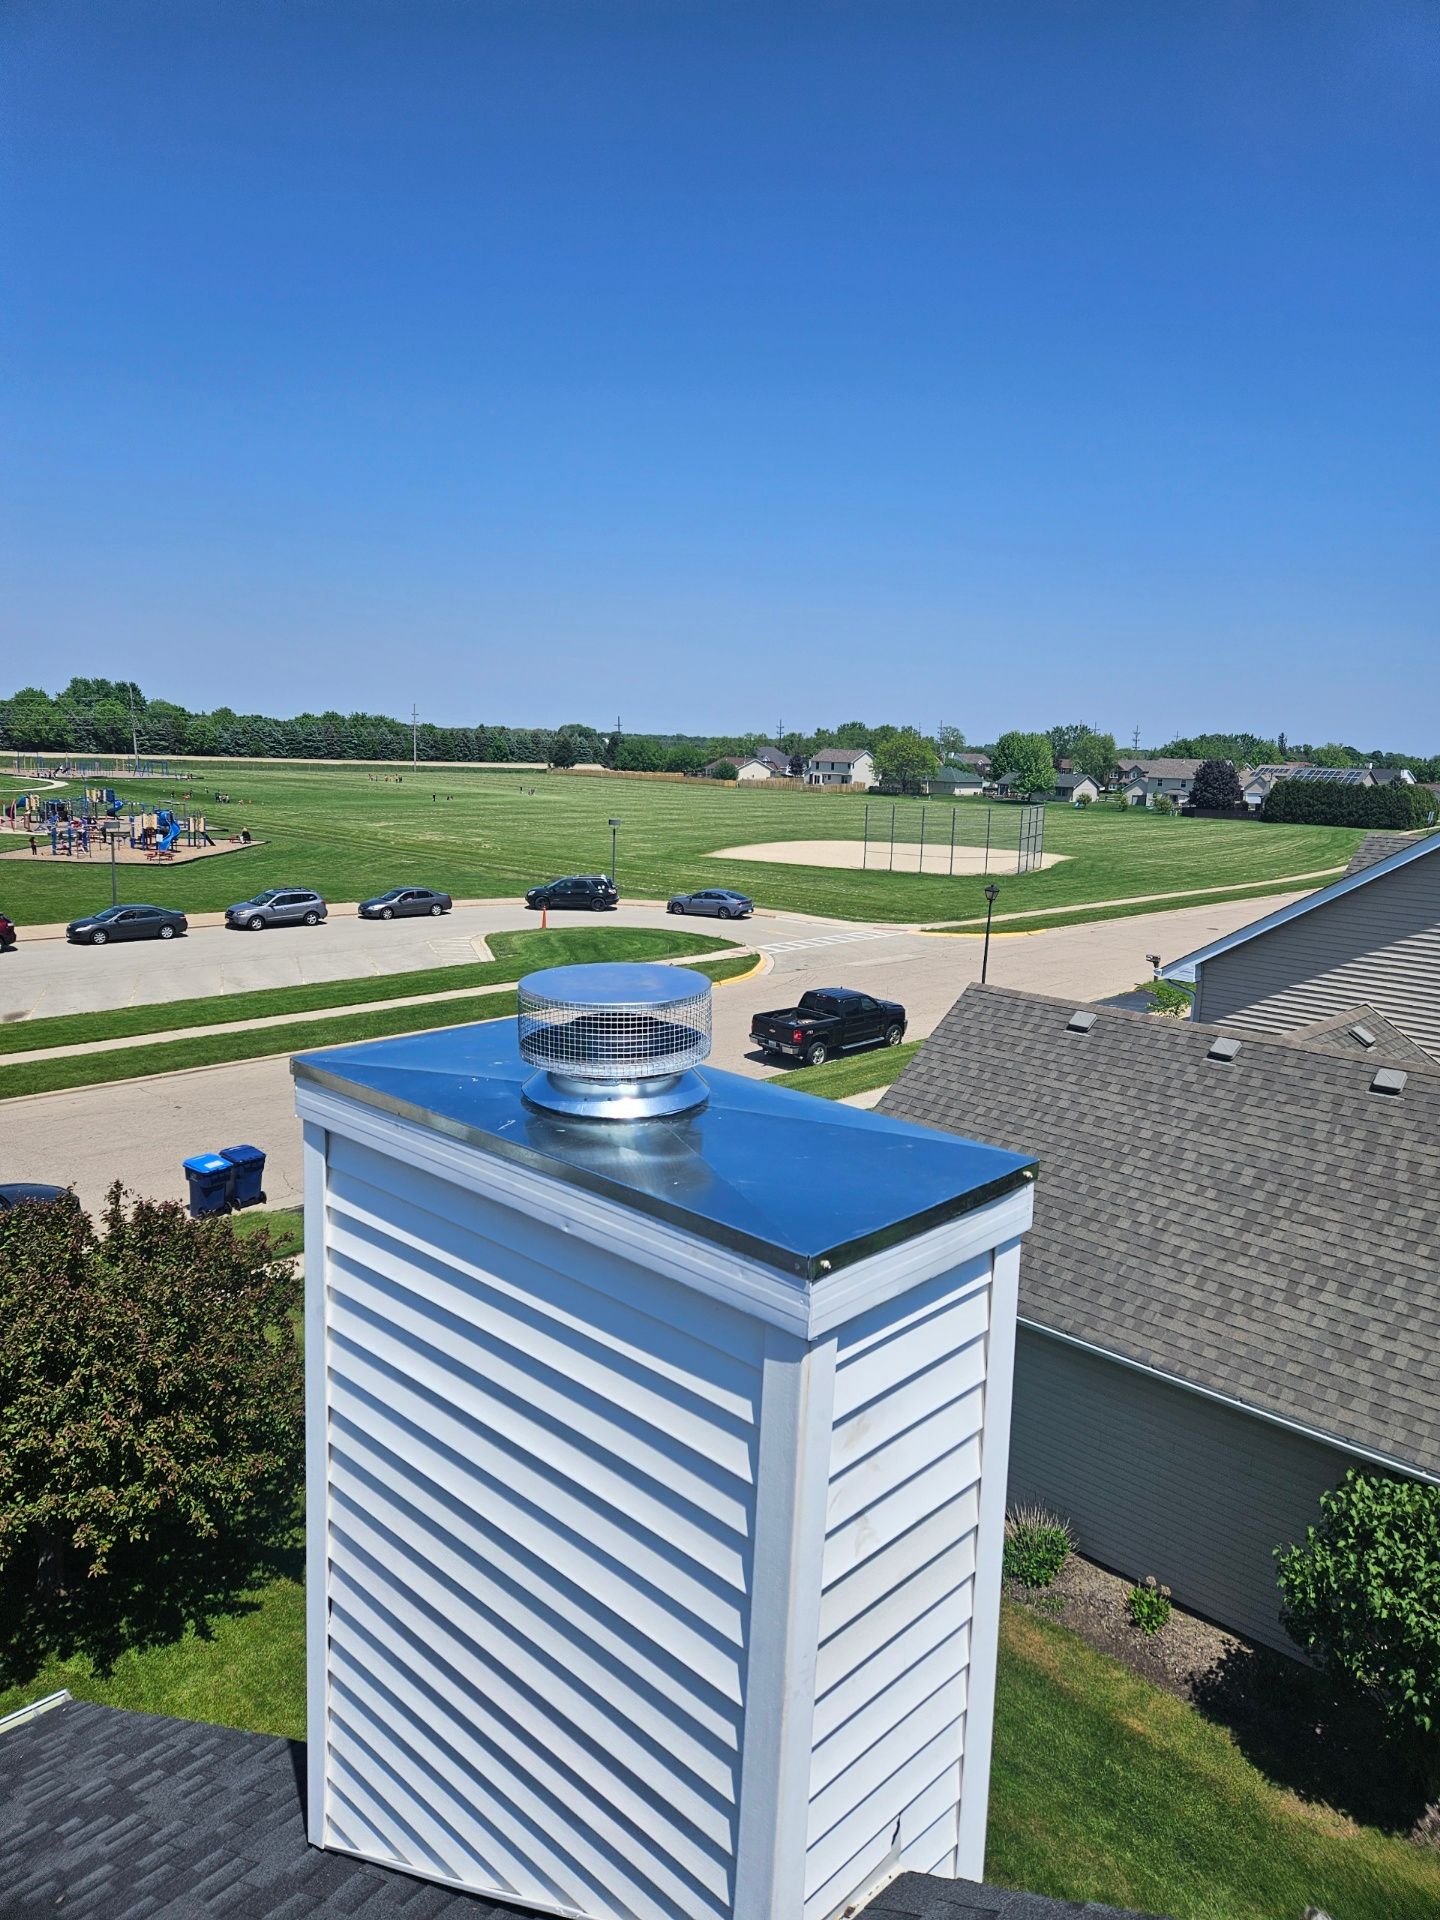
[1163, 769]
[111, 1815]
[1268, 1229]
[1376, 847]
[1339, 1034]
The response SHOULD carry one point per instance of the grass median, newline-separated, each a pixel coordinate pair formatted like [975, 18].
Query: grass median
[515, 953]
[297, 1036]
[856, 1073]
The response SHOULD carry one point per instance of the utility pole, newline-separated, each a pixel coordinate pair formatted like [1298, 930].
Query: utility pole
[414, 738]
[1135, 741]
[134, 734]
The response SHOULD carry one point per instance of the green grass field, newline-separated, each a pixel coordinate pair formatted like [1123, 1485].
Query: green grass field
[349, 835]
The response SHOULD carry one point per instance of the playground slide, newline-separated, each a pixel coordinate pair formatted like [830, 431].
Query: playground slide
[169, 837]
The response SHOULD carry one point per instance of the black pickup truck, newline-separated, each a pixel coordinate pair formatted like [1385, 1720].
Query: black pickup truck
[829, 1020]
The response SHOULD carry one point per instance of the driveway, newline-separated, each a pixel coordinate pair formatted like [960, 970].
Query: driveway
[139, 1132]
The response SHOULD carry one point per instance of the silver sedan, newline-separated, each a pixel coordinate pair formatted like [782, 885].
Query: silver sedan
[721, 901]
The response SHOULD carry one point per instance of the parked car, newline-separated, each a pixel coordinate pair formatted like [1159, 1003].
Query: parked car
[829, 1020]
[33, 1193]
[580, 892]
[9, 933]
[278, 907]
[723, 902]
[402, 900]
[126, 923]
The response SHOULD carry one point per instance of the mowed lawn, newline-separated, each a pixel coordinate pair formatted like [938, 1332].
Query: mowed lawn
[490, 835]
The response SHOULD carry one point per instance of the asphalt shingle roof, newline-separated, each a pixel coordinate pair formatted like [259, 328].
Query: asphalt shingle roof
[110, 1815]
[1338, 1035]
[1267, 1229]
[1376, 847]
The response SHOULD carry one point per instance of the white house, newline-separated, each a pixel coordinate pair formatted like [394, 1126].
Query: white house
[840, 767]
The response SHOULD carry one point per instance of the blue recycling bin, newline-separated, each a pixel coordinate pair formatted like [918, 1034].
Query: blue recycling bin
[249, 1166]
[211, 1178]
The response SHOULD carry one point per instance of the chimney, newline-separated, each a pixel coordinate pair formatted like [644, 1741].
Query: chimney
[658, 1422]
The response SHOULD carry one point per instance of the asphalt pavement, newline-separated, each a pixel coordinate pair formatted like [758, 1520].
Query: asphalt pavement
[140, 1131]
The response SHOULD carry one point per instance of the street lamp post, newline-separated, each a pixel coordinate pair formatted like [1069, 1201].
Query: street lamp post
[992, 894]
[614, 834]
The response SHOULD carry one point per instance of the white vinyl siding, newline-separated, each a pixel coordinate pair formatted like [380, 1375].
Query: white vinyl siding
[1156, 1480]
[898, 1589]
[540, 1522]
[1377, 945]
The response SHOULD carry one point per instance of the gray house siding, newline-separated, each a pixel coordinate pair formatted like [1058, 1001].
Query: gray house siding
[1378, 944]
[1157, 1480]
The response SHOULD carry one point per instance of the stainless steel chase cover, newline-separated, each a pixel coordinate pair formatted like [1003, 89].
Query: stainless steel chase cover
[615, 1042]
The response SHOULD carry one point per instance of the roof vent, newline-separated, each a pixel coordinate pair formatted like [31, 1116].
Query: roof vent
[1388, 1080]
[615, 1042]
[1363, 1035]
[1223, 1049]
[1080, 1023]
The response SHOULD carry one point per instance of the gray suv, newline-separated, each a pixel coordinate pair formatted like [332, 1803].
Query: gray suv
[278, 907]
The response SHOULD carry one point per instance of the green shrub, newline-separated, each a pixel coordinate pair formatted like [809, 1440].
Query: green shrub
[1169, 997]
[1323, 803]
[1217, 786]
[1162, 803]
[149, 1380]
[1149, 1605]
[1083, 799]
[1037, 1545]
[723, 770]
[1361, 1595]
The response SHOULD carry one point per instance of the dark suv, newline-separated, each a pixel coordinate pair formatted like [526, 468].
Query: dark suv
[581, 892]
[278, 907]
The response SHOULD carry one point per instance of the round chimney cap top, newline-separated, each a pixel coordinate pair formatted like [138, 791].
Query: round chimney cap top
[615, 984]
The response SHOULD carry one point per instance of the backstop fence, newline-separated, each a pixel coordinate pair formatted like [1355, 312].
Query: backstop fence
[956, 837]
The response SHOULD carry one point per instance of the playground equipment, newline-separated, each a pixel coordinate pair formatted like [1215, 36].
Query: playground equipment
[168, 829]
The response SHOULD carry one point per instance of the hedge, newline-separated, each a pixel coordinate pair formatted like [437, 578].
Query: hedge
[1323, 803]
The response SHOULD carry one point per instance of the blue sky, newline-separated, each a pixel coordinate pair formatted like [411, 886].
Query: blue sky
[721, 363]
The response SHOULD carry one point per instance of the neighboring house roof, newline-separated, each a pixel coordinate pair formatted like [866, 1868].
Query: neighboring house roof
[1392, 776]
[971, 759]
[1162, 769]
[105, 1812]
[1184, 968]
[1359, 1030]
[736, 760]
[1266, 1230]
[1376, 847]
[772, 757]
[1067, 782]
[1331, 776]
[847, 756]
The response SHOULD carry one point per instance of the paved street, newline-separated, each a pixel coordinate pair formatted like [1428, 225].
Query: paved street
[141, 1131]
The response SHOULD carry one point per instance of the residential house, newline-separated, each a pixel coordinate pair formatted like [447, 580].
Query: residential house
[1227, 1298]
[777, 761]
[748, 767]
[1373, 936]
[1068, 787]
[1142, 780]
[1074, 788]
[953, 779]
[840, 767]
[1261, 779]
[971, 757]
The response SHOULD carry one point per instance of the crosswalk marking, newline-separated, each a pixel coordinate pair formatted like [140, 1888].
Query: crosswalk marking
[829, 940]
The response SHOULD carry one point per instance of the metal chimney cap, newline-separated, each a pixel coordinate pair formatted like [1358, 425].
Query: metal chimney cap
[615, 1042]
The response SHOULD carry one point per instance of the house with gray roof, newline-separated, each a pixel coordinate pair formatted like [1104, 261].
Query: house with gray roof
[1228, 1296]
[1142, 780]
[1373, 937]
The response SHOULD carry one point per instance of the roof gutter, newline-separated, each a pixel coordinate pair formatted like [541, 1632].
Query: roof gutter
[1367, 1454]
